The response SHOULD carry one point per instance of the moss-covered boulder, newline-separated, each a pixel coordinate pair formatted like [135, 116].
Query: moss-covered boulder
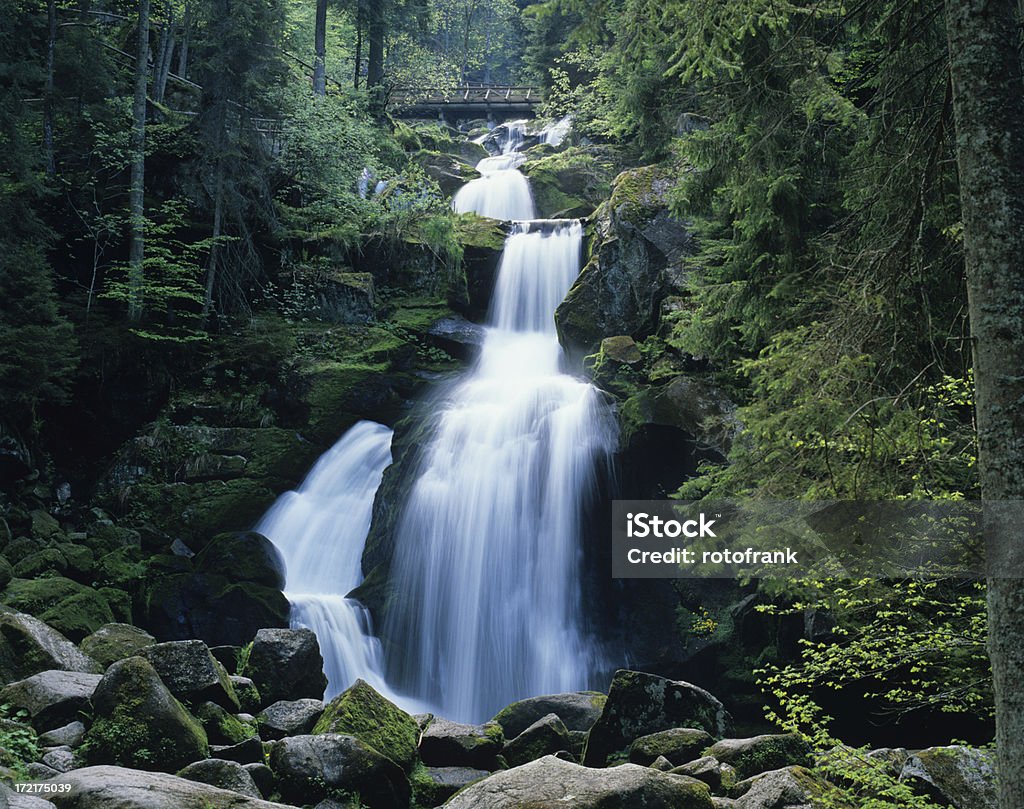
[432, 786]
[191, 673]
[286, 664]
[242, 556]
[640, 704]
[222, 727]
[28, 646]
[6, 572]
[138, 723]
[454, 744]
[448, 171]
[788, 786]
[678, 745]
[578, 710]
[762, 753]
[572, 182]
[361, 712]
[311, 768]
[959, 776]
[112, 642]
[550, 783]
[69, 607]
[547, 736]
[718, 776]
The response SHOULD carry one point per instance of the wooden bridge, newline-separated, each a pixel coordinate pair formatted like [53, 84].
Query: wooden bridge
[463, 102]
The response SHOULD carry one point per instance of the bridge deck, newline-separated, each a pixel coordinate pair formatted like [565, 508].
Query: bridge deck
[412, 101]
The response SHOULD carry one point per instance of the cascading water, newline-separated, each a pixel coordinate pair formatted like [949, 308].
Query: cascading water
[487, 551]
[501, 192]
[320, 530]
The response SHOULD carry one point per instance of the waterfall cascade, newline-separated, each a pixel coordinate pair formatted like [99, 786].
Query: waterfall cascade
[487, 550]
[487, 559]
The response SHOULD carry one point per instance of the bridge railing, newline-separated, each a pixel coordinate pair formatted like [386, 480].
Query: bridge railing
[465, 95]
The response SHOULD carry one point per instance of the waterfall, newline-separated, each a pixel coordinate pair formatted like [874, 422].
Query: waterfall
[320, 530]
[487, 561]
[502, 192]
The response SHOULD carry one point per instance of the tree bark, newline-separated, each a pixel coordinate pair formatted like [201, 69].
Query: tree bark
[51, 51]
[136, 213]
[165, 55]
[988, 106]
[320, 49]
[186, 35]
[375, 57]
[359, 45]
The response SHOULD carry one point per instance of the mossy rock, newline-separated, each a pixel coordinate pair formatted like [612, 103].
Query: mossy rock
[139, 724]
[340, 392]
[760, 754]
[45, 561]
[81, 559]
[362, 712]
[6, 572]
[223, 727]
[448, 171]
[571, 182]
[69, 607]
[245, 556]
[115, 641]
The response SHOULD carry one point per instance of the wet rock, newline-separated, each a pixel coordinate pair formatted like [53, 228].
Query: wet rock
[310, 768]
[640, 704]
[962, 777]
[678, 745]
[28, 646]
[224, 774]
[138, 722]
[550, 783]
[432, 786]
[51, 698]
[578, 710]
[191, 673]
[105, 787]
[113, 642]
[361, 712]
[295, 717]
[286, 664]
[245, 556]
[762, 753]
[453, 744]
[547, 736]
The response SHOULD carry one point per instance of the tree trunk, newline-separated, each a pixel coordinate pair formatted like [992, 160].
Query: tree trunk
[186, 35]
[320, 49]
[136, 212]
[51, 50]
[988, 105]
[359, 45]
[165, 55]
[375, 58]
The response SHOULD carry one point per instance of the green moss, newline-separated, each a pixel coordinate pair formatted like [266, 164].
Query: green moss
[69, 607]
[362, 712]
[473, 230]
[222, 726]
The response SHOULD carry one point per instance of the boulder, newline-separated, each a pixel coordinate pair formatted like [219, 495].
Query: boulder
[247, 692]
[51, 698]
[16, 800]
[678, 745]
[113, 642]
[786, 788]
[578, 710]
[247, 751]
[69, 607]
[286, 664]
[432, 786]
[449, 172]
[245, 556]
[958, 776]
[28, 646]
[138, 722]
[550, 783]
[222, 727]
[191, 673]
[310, 768]
[361, 712]
[263, 777]
[108, 787]
[295, 717]
[453, 744]
[224, 774]
[547, 736]
[718, 776]
[61, 759]
[762, 753]
[346, 297]
[640, 704]
[69, 735]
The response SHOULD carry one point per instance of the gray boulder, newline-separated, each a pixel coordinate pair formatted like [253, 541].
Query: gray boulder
[263, 777]
[69, 735]
[961, 777]
[310, 768]
[191, 673]
[51, 698]
[718, 776]
[434, 785]
[453, 744]
[640, 704]
[295, 717]
[547, 736]
[786, 788]
[286, 664]
[60, 759]
[762, 753]
[138, 722]
[28, 646]
[249, 751]
[113, 642]
[578, 710]
[110, 787]
[9, 799]
[224, 774]
[550, 783]
[678, 745]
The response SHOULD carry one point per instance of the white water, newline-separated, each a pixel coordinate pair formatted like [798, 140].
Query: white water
[488, 547]
[320, 530]
[502, 192]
